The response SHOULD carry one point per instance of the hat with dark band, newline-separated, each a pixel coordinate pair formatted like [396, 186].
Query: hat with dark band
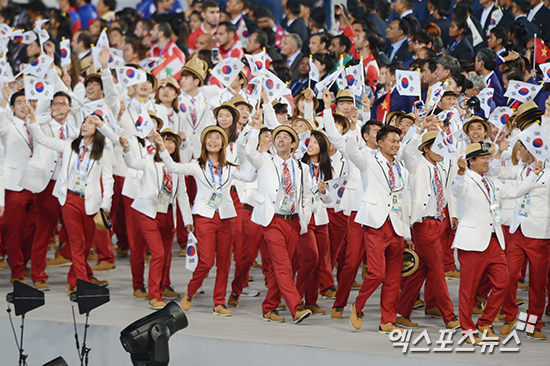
[239, 99]
[322, 133]
[393, 114]
[478, 119]
[171, 82]
[197, 67]
[154, 116]
[302, 95]
[477, 149]
[231, 108]
[102, 220]
[339, 117]
[427, 138]
[310, 126]
[450, 92]
[410, 263]
[287, 129]
[169, 132]
[344, 94]
[209, 129]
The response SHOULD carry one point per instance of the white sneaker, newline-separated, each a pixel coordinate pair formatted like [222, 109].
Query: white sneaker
[250, 292]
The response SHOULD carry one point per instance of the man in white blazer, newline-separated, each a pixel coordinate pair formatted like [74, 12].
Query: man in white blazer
[479, 240]
[431, 209]
[529, 239]
[40, 176]
[384, 213]
[18, 227]
[283, 207]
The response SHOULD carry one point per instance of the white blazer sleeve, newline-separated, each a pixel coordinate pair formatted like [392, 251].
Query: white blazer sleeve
[183, 202]
[107, 177]
[252, 153]
[49, 142]
[178, 168]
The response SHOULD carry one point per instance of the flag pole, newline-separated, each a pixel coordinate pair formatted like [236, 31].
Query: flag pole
[309, 75]
[534, 51]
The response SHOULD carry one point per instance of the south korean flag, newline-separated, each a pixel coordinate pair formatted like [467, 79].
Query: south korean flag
[534, 140]
[25, 38]
[408, 83]
[151, 63]
[524, 92]
[144, 123]
[36, 88]
[39, 67]
[227, 70]
[128, 76]
[6, 73]
[101, 108]
[65, 51]
[42, 33]
[500, 116]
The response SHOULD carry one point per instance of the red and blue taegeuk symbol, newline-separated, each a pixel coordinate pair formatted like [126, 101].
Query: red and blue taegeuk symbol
[504, 118]
[259, 65]
[191, 250]
[139, 121]
[183, 108]
[63, 53]
[351, 80]
[227, 69]
[405, 83]
[269, 84]
[340, 192]
[538, 143]
[523, 91]
[36, 62]
[39, 87]
[130, 73]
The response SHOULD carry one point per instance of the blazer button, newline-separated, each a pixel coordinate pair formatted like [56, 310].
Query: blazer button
[273, 201]
[51, 171]
[55, 161]
[388, 205]
[491, 224]
[424, 204]
[428, 195]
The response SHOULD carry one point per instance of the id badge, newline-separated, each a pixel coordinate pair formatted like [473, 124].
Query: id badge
[397, 201]
[524, 207]
[164, 202]
[315, 203]
[495, 209]
[286, 203]
[79, 183]
[215, 200]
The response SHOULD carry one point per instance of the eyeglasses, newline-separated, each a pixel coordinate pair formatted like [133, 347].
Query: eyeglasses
[58, 104]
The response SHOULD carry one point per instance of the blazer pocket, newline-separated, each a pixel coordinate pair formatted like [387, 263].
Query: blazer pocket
[469, 223]
[259, 198]
[370, 199]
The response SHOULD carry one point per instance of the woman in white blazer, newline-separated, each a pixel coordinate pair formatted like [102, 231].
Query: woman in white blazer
[84, 186]
[159, 191]
[212, 211]
[166, 100]
[313, 245]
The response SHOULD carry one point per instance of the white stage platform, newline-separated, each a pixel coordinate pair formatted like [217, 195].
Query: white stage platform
[243, 339]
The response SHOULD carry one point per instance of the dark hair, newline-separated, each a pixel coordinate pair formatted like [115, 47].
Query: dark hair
[385, 131]
[230, 27]
[85, 36]
[460, 81]
[62, 94]
[283, 73]
[500, 33]
[520, 32]
[367, 126]
[326, 60]
[344, 41]
[203, 158]
[404, 26]
[414, 25]
[139, 47]
[325, 167]
[65, 26]
[424, 37]
[210, 4]
[281, 108]
[524, 6]
[430, 53]
[395, 66]
[233, 132]
[261, 38]
[432, 64]
[324, 37]
[165, 28]
[175, 155]
[111, 4]
[462, 23]
[148, 24]
[98, 145]
[384, 8]
[489, 58]
[15, 95]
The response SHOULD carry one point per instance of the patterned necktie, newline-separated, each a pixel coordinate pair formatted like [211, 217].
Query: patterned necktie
[216, 167]
[171, 116]
[486, 186]
[231, 147]
[61, 133]
[316, 172]
[29, 135]
[151, 149]
[528, 171]
[82, 154]
[439, 191]
[167, 179]
[391, 176]
[193, 112]
[288, 185]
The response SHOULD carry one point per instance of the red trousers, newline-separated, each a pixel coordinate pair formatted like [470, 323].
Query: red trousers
[137, 242]
[159, 235]
[472, 266]
[428, 241]
[237, 228]
[213, 243]
[384, 258]
[449, 236]
[103, 246]
[118, 213]
[18, 227]
[538, 253]
[48, 211]
[281, 236]
[337, 229]
[313, 248]
[349, 260]
[253, 239]
[81, 229]
[181, 230]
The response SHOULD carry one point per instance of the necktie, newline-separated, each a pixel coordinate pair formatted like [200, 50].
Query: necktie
[61, 137]
[171, 116]
[528, 171]
[391, 176]
[151, 149]
[29, 135]
[486, 186]
[392, 53]
[231, 147]
[82, 154]
[448, 134]
[167, 179]
[288, 185]
[193, 112]
[216, 167]
[316, 172]
[439, 192]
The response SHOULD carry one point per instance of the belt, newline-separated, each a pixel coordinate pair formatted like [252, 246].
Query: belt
[233, 189]
[248, 207]
[493, 235]
[286, 217]
[78, 194]
[430, 218]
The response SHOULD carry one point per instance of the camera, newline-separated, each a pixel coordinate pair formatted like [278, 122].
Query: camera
[474, 102]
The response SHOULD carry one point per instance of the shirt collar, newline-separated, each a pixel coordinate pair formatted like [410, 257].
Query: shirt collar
[281, 161]
[488, 77]
[536, 8]
[382, 158]
[397, 45]
[520, 16]
[82, 144]
[405, 13]
[293, 57]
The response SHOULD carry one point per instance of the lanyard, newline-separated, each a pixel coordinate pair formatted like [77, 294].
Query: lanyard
[485, 190]
[293, 178]
[78, 163]
[212, 173]
[388, 179]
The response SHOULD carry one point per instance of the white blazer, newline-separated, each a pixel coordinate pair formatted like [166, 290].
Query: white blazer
[147, 199]
[205, 117]
[16, 148]
[99, 176]
[205, 185]
[475, 218]
[269, 183]
[43, 163]
[376, 199]
[422, 175]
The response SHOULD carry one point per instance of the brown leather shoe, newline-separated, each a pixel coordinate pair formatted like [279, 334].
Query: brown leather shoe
[454, 323]
[520, 301]
[186, 302]
[18, 280]
[28, 272]
[356, 319]
[507, 327]
[281, 307]
[337, 313]
[453, 275]
[405, 322]
[476, 340]
[148, 257]
[70, 289]
[480, 300]
[273, 317]
[221, 310]
[488, 334]
[500, 316]
[330, 293]
[102, 283]
[301, 315]
[250, 278]
[477, 310]
[522, 286]
[418, 304]
[104, 267]
[256, 265]
[388, 328]
[316, 310]
[60, 261]
[233, 300]
[42, 286]
[122, 252]
[156, 304]
[92, 256]
[433, 313]
[3, 264]
[170, 294]
[182, 252]
[356, 286]
[140, 293]
[537, 335]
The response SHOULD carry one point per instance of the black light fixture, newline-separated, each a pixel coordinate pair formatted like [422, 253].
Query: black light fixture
[88, 297]
[146, 339]
[24, 299]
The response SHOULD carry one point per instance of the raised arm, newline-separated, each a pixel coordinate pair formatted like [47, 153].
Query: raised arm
[107, 177]
[458, 189]
[355, 155]
[38, 134]
[178, 168]
[252, 153]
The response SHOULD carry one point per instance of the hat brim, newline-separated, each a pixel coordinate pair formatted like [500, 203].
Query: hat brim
[343, 119]
[410, 262]
[191, 71]
[325, 137]
[425, 143]
[218, 129]
[176, 136]
[234, 111]
[287, 129]
[483, 122]
[102, 220]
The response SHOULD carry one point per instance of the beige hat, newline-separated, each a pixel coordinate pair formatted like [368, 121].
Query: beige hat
[197, 67]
